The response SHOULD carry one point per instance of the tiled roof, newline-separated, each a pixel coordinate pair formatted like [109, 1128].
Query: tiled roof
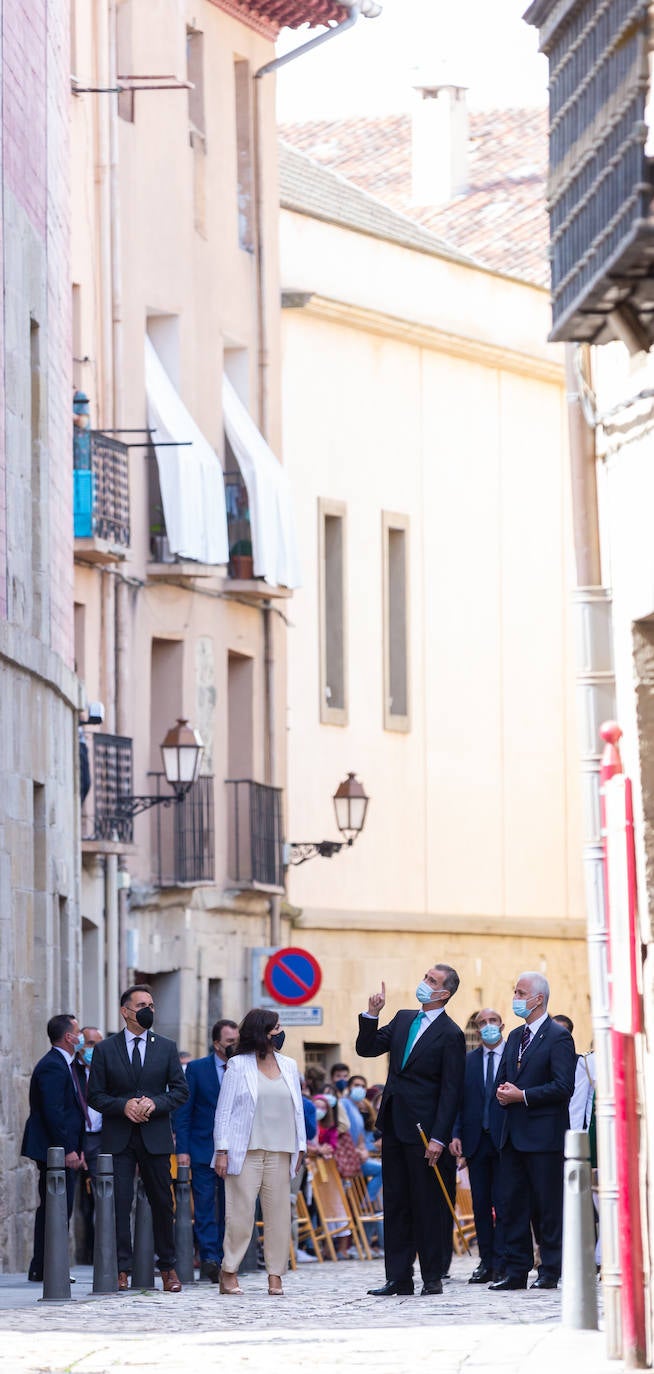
[310, 189]
[269, 16]
[501, 220]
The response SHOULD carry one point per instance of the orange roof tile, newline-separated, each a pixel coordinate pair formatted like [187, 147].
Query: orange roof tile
[501, 220]
[269, 16]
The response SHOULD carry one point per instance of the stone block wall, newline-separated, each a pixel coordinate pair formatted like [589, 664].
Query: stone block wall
[39, 794]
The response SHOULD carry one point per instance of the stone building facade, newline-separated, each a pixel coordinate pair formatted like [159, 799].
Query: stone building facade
[39, 800]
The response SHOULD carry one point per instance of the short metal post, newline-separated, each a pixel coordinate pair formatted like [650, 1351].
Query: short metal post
[56, 1269]
[579, 1304]
[143, 1253]
[183, 1226]
[105, 1263]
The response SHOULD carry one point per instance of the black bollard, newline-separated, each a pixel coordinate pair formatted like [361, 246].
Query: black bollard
[105, 1264]
[183, 1226]
[143, 1256]
[56, 1270]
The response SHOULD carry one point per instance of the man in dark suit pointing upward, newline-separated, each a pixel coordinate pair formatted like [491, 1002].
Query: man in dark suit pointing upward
[425, 1081]
[136, 1081]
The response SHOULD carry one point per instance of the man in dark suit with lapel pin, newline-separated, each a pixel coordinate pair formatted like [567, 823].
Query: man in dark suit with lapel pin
[424, 1084]
[476, 1141]
[537, 1079]
[56, 1119]
[136, 1082]
[194, 1123]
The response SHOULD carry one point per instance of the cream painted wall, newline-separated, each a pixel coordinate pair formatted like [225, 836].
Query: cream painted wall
[426, 389]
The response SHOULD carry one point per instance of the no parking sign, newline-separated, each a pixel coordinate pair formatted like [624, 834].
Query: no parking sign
[292, 976]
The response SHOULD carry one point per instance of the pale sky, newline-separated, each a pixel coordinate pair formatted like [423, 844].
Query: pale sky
[481, 44]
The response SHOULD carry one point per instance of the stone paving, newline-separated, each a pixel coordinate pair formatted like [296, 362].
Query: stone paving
[324, 1314]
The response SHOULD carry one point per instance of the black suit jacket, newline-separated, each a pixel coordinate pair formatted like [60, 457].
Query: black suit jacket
[113, 1081]
[429, 1088]
[547, 1076]
[469, 1123]
[55, 1117]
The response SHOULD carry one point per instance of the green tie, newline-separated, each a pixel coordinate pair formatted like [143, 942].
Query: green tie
[413, 1035]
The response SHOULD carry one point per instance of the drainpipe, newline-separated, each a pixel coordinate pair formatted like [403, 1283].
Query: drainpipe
[596, 696]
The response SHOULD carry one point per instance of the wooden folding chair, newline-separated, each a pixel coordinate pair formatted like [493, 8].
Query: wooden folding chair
[362, 1210]
[331, 1205]
[305, 1229]
[465, 1215]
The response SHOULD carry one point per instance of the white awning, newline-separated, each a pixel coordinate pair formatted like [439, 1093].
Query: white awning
[274, 545]
[190, 478]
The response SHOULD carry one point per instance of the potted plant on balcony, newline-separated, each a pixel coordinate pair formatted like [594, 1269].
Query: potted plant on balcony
[159, 546]
[241, 565]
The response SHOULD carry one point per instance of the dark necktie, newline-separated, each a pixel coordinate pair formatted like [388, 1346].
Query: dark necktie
[137, 1062]
[80, 1097]
[524, 1042]
[488, 1089]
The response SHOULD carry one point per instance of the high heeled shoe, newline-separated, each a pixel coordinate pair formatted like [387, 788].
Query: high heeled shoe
[236, 1291]
[275, 1292]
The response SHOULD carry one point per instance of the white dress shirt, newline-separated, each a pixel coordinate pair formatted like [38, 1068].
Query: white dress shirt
[68, 1057]
[534, 1027]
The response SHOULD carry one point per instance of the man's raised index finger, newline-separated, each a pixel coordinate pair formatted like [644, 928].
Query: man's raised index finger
[383, 991]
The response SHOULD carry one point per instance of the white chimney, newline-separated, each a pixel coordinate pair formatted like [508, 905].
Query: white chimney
[439, 145]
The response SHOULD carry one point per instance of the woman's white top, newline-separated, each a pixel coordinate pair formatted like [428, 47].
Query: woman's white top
[273, 1127]
[237, 1105]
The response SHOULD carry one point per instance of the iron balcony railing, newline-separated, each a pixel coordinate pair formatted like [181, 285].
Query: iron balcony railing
[255, 850]
[111, 778]
[600, 179]
[183, 834]
[101, 490]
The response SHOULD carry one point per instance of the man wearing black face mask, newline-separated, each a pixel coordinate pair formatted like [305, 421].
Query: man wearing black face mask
[136, 1082]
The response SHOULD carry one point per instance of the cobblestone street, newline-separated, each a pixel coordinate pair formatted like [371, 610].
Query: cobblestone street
[325, 1314]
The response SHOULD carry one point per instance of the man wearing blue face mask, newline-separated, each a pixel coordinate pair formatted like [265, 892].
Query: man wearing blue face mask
[476, 1140]
[424, 1084]
[538, 1075]
[81, 1067]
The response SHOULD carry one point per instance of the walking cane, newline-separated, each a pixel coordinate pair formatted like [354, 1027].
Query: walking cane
[445, 1192]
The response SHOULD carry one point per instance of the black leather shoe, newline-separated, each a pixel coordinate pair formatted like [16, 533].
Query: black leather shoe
[34, 1276]
[481, 1275]
[393, 1288]
[543, 1282]
[209, 1271]
[508, 1284]
[431, 1289]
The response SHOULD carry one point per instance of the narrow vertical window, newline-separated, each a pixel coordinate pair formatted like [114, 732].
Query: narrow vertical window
[244, 168]
[197, 125]
[395, 537]
[333, 629]
[124, 58]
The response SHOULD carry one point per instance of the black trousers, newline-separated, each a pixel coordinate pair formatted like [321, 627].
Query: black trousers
[36, 1267]
[155, 1172]
[485, 1173]
[532, 1182]
[416, 1217]
[86, 1194]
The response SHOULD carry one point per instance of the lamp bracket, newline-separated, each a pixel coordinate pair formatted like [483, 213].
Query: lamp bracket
[133, 806]
[325, 849]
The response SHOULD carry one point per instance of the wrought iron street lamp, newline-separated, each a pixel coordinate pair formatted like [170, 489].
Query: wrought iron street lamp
[351, 806]
[181, 751]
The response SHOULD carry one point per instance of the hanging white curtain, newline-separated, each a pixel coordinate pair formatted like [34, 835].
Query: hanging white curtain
[274, 544]
[190, 478]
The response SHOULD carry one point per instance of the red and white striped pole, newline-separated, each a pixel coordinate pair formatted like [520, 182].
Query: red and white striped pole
[626, 1023]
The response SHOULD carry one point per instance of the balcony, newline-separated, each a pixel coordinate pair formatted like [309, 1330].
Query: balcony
[183, 834]
[600, 183]
[104, 828]
[100, 498]
[255, 847]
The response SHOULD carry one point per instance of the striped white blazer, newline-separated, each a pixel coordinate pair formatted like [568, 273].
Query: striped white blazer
[237, 1104]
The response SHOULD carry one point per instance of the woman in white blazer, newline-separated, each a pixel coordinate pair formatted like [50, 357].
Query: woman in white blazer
[260, 1142]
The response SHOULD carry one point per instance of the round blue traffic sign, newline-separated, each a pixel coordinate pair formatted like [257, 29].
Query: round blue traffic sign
[292, 976]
